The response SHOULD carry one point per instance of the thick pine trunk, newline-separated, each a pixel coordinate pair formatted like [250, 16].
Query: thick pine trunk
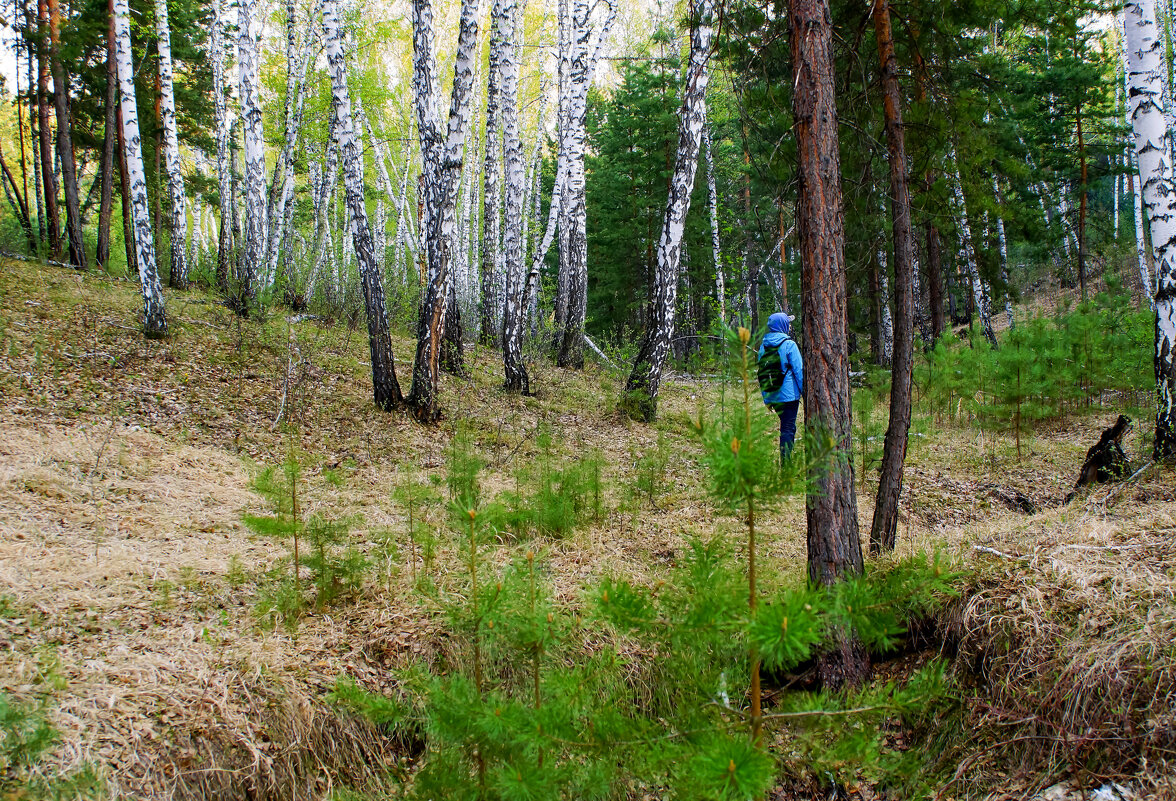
[69, 172]
[834, 547]
[386, 389]
[885, 523]
[1144, 53]
[249, 74]
[171, 150]
[154, 317]
[641, 390]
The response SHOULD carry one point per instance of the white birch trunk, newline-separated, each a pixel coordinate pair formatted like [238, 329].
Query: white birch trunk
[171, 148]
[154, 315]
[645, 380]
[517, 379]
[979, 291]
[1145, 278]
[490, 312]
[1144, 58]
[713, 200]
[224, 174]
[886, 321]
[249, 75]
[1004, 250]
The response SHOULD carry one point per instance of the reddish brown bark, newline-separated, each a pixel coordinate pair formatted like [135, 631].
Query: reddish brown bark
[834, 546]
[48, 179]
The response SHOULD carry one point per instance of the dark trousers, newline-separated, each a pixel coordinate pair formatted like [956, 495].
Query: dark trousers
[787, 412]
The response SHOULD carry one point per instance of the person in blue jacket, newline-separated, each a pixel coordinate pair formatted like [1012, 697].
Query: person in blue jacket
[786, 400]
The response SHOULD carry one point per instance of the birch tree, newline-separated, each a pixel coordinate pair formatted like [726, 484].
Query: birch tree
[1135, 185]
[224, 174]
[514, 309]
[968, 252]
[441, 159]
[641, 389]
[713, 202]
[171, 149]
[249, 75]
[489, 328]
[45, 137]
[154, 316]
[385, 388]
[1144, 54]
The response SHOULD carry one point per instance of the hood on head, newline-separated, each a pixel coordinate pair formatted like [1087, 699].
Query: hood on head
[780, 323]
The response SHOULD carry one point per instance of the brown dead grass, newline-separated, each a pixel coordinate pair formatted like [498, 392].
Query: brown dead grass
[124, 470]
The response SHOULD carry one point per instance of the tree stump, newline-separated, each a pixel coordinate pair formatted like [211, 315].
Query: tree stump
[1105, 461]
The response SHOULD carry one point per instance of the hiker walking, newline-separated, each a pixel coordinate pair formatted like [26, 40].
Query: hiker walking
[781, 377]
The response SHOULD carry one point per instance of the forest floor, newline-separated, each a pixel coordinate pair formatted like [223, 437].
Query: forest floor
[128, 579]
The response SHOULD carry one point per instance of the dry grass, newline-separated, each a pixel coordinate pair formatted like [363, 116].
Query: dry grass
[124, 470]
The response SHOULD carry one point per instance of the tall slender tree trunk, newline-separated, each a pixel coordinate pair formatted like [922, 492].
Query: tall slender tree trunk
[48, 176]
[885, 524]
[171, 150]
[1134, 187]
[514, 311]
[249, 74]
[154, 316]
[438, 339]
[641, 389]
[834, 547]
[1144, 54]
[1081, 202]
[69, 172]
[385, 388]
[224, 172]
[109, 140]
[980, 295]
[1003, 243]
[489, 327]
[713, 203]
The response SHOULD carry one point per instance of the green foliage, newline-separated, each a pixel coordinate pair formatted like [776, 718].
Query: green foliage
[25, 739]
[650, 470]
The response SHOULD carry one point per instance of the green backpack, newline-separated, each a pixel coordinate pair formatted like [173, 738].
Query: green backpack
[770, 370]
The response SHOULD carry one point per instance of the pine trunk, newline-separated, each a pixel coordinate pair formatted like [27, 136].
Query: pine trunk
[885, 524]
[1144, 53]
[834, 547]
[48, 176]
[171, 150]
[109, 140]
[154, 316]
[641, 390]
[69, 173]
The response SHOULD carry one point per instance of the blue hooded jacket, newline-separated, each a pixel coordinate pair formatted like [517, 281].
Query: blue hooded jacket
[778, 334]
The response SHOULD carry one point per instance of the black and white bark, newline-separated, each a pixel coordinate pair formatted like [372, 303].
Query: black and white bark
[439, 338]
[253, 251]
[980, 293]
[1136, 185]
[224, 172]
[154, 316]
[171, 149]
[514, 311]
[645, 380]
[386, 390]
[489, 317]
[1144, 59]
[713, 202]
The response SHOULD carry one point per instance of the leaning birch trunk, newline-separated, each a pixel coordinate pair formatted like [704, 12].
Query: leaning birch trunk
[1159, 195]
[713, 200]
[979, 292]
[171, 150]
[489, 328]
[249, 74]
[154, 316]
[885, 320]
[641, 389]
[514, 311]
[224, 174]
[441, 168]
[884, 528]
[1134, 180]
[385, 388]
[65, 152]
